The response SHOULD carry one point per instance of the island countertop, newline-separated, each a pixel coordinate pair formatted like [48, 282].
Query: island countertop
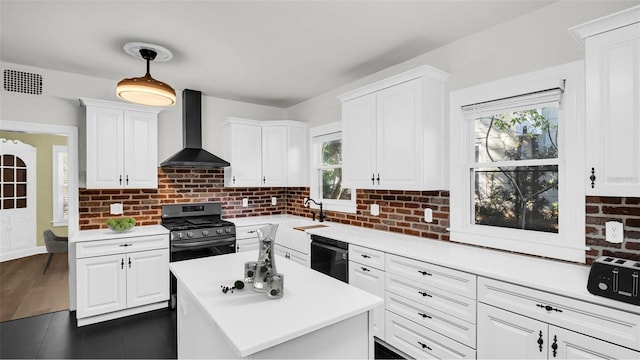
[250, 321]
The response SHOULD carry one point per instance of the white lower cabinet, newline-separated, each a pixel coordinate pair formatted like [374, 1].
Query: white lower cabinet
[518, 322]
[119, 281]
[431, 310]
[293, 255]
[247, 237]
[364, 275]
[506, 335]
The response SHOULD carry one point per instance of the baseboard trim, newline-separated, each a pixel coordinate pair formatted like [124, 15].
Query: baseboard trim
[16, 254]
[122, 313]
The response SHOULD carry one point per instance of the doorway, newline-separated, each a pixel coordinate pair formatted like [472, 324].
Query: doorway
[26, 291]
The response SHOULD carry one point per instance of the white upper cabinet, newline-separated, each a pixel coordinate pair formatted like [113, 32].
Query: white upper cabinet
[265, 153]
[392, 133]
[612, 64]
[121, 145]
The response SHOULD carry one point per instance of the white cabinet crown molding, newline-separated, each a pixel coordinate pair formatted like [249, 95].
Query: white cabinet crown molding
[119, 105]
[422, 71]
[606, 23]
[238, 120]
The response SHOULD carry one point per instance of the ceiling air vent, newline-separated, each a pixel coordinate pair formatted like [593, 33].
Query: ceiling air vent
[23, 82]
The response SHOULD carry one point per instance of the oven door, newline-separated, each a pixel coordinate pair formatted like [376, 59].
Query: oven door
[194, 249]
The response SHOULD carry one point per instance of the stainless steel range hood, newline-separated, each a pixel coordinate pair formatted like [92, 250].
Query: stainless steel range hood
[193, 156]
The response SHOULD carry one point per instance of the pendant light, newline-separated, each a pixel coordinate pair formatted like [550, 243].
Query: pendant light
[146, 90]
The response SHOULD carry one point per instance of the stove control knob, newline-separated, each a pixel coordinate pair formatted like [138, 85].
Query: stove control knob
[227, 230]
[179, 235]
[205, 232]
[189, 234]
[219, 231]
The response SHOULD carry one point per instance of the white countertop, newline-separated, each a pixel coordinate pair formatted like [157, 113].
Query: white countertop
[251, 321]
[106, 234]
[562, 278]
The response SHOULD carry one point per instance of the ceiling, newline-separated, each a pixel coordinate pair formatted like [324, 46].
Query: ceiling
[275, 53]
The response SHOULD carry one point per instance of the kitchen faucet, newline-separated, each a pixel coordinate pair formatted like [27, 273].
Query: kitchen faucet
[321, 217]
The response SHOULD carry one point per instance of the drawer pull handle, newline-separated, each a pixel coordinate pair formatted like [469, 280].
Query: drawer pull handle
[554, 346]
[540, 341]
[125, 245]
[425, 316]
[425, 273]
[548, 308]
[365, 256]
[424, 293]
[424, 346]
[364, 268]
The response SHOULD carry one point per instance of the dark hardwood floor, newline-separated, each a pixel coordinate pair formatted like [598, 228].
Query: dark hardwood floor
[151, 335]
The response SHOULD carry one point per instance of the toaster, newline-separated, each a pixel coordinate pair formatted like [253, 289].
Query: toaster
[615, 278]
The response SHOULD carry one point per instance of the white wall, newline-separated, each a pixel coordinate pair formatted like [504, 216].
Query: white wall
[59, 105]
[534, 41]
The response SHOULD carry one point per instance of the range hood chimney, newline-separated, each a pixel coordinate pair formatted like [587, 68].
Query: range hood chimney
[193, 156]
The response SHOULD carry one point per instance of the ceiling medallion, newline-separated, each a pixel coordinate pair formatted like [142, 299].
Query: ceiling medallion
[146, 90]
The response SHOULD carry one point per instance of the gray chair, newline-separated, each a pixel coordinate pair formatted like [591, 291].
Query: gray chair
[55, 245]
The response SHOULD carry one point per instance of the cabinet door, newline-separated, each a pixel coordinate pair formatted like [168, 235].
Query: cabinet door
[613, 114]
[399, 136]
[274, 155]
[105, 148]
[101, 285]
[147, 277]
[505, 335]
[565, 344]
[300, 258]
[140, 150]
[359, 142]
[372, 281]
[245, 148]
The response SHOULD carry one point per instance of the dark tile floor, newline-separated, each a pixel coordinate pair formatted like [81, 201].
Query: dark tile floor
[151, 335]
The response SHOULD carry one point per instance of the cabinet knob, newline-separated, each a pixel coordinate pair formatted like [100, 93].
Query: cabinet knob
[233, 179]
[122, 263]
[593, 177]
[365, 256]
[129, 263]
[425, 273]
[554, 346]
[127, 180]
[424, 346]
[373, 179]
[424, 294]
[264, 179]
[364, 268]
[378, 179]
[424, 316]
[120, 180]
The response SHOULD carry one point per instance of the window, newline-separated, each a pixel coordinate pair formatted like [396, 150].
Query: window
[326, 169]
[60, 182]
[516, 177]
[14, 182]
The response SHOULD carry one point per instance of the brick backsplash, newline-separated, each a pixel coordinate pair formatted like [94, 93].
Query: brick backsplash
[400, 211]
[623, 209]
[178, 186]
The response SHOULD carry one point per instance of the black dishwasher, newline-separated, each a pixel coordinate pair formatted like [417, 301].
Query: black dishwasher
[330, 257]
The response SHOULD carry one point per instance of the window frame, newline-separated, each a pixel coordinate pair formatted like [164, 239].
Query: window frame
[569, 243]
[317, 135]
[59, 219]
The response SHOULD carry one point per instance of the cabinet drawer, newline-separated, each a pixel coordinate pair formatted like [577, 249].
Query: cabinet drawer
[437, 321]
[420, 342]
[366, 256]
[616, 326]
[457, 282]
[119, 246]
[434, 298]
[248, 232]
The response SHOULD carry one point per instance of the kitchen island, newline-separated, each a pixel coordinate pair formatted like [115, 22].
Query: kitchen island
[318, 316]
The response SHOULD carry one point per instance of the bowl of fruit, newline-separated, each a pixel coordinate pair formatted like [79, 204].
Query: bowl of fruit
[121, 224]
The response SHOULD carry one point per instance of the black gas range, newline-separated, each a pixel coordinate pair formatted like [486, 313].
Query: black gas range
[196, 231]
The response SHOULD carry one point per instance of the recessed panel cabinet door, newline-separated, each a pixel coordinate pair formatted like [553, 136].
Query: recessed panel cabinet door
[102, 285]
[140, 150]
[613, 115]
[274, 155]
[505, 335]
[400, 137]
[359, 142]
[372, 281]
[147, 277]
[105, 148]
[245, 144]
[565, 344]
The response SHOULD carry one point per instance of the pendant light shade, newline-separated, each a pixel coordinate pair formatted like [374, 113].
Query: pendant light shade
[146, 90]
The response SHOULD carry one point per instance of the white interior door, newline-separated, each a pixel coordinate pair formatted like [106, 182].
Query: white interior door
[17, 199]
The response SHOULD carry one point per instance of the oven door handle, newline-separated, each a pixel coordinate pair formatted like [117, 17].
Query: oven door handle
[330, 247]
[204, 243]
